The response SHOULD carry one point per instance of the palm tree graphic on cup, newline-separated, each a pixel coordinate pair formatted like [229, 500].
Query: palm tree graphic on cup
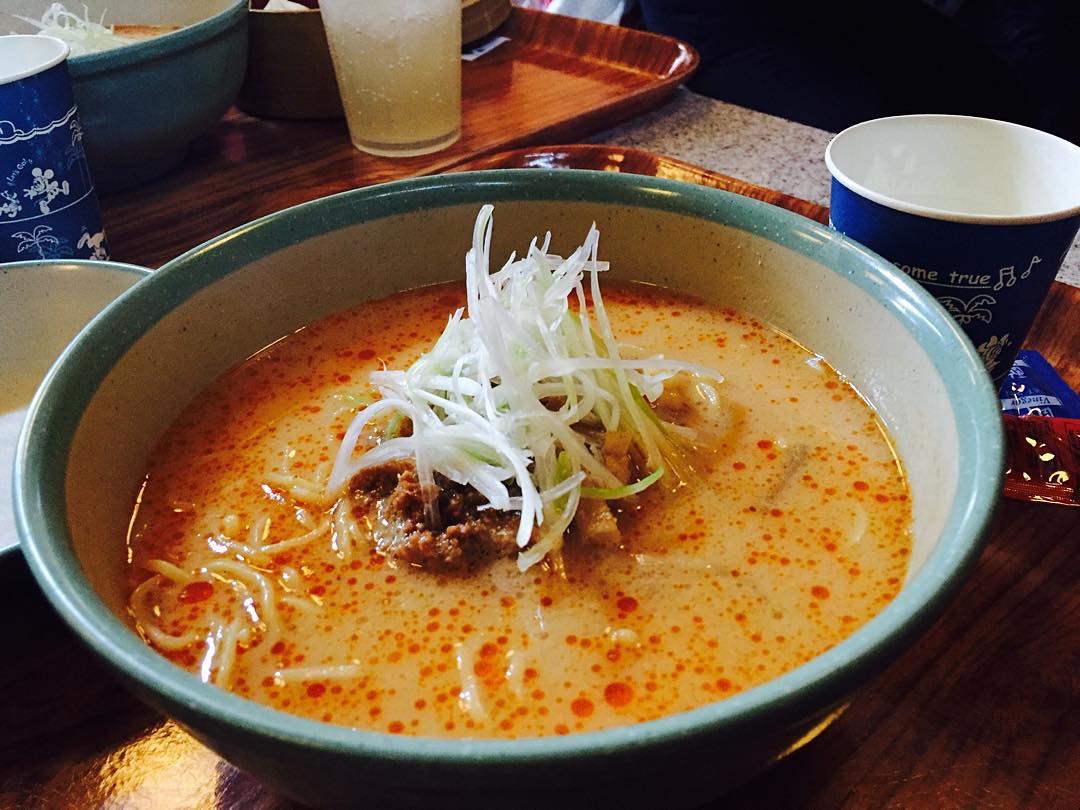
[41, 240]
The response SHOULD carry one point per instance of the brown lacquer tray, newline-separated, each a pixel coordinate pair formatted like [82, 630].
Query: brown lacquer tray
[600, 157]
[557, 78]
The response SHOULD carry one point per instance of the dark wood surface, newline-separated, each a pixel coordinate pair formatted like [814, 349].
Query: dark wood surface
[981, 713]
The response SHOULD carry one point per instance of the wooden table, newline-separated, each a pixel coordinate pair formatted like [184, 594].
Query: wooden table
[982, 712]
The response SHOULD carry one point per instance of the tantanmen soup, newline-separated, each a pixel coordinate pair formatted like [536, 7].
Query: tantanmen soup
[791, 532]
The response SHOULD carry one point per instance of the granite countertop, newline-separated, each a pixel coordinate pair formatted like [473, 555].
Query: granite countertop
[749, 145]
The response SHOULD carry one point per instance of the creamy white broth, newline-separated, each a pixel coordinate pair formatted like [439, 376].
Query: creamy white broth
[794, 533]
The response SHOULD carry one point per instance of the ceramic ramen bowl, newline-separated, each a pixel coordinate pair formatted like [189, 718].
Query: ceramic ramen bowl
[43, 305]
[142, 104]
[106, 402]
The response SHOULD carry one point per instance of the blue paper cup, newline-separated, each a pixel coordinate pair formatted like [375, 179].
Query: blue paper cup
[980, 212]
[48, 207]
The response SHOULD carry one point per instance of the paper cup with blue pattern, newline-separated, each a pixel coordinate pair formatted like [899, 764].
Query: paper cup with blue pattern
[48, 206]
[980, 212]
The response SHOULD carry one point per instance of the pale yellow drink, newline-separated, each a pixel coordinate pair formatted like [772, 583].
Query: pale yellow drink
[398, 66]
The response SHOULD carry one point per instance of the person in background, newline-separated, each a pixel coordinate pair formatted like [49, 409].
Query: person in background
[831, 65]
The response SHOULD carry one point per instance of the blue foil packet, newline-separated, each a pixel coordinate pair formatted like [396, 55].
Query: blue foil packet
[1033, 388]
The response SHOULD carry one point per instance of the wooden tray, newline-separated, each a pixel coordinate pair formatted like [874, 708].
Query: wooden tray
[599, 157]
[558, 78]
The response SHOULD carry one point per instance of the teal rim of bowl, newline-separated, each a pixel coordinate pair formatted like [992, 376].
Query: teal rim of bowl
[160, 46]
[821, 682]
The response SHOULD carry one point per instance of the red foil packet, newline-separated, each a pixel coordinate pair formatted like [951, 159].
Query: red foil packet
[1042, 459]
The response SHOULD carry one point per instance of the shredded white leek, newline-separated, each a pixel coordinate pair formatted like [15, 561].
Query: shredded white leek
[499, 400]
[82, 34]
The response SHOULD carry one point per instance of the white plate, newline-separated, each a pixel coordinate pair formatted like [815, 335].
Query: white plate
[43, 305]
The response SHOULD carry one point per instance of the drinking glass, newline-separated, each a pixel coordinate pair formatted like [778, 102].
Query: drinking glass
[398, 68]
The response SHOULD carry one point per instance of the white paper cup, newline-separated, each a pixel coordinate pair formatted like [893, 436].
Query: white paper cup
[980, 212]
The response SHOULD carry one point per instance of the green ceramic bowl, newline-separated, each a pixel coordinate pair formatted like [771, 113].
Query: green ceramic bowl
[121, 383]
[142, 104]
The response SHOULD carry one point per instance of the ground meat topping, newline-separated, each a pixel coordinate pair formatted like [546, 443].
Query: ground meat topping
[390, 500]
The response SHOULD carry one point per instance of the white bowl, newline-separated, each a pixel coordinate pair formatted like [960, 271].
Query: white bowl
[43, 305]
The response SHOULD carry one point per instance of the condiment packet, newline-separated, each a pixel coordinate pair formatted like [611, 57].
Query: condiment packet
[1043, 459]
[487, 45]
[284, 5]
[1033, 388]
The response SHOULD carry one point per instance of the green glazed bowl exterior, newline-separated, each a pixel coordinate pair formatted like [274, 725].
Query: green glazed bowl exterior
[161, 342]
[142, 104]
